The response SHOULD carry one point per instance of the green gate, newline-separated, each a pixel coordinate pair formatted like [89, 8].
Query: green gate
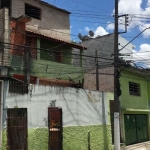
[136, 128]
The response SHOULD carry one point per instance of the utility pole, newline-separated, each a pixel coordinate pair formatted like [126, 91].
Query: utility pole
[116, 84]
[26, 66]
[97, 74]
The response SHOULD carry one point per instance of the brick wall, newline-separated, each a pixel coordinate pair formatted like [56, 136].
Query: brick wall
[106, 82]
[17, 37]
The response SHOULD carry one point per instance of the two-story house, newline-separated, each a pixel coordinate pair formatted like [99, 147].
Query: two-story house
[37, 35]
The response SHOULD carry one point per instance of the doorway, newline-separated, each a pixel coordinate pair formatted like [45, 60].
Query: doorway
[55, 128]
[136, 128]
[17, 130]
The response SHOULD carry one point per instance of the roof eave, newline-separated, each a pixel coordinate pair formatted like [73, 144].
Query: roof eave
[59, 41]
[47, 4]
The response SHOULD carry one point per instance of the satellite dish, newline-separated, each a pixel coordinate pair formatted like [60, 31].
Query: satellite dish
[80, 36]
[91, 33]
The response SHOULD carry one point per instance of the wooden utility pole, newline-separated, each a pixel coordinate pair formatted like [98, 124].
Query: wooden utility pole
[116, 84]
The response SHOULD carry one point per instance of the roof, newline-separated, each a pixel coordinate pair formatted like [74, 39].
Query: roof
[140, 71]
[47, 4]
[57, 40]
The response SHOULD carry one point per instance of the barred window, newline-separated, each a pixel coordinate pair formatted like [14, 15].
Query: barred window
[134, 89]
[32, 11]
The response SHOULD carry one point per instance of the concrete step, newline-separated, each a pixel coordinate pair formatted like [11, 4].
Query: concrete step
[139, 146]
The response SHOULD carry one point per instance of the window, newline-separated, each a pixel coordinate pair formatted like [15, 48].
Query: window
[50, 52]
[134, 89]
[32, 11]
[16, 86]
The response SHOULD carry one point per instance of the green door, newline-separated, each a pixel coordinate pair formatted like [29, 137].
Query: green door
[130, 129]
[136, 128]
[142, 129]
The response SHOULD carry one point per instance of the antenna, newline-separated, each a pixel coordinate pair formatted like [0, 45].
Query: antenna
[91, 33]
[80, 36]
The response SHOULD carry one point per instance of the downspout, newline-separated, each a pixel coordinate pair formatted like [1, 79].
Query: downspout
[1, 112]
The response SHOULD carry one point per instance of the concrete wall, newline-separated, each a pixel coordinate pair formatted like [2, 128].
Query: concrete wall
[83, 111]
[105, 47]
[74, 138]
[4, 35]
[2, 25]
[54, 22]
[80, 107]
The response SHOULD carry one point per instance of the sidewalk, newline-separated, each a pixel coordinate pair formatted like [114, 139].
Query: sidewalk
[139, 146]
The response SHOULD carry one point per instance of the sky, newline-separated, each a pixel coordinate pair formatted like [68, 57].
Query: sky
[97, 15]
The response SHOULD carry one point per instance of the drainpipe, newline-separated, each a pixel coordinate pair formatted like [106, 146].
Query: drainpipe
[1, 112]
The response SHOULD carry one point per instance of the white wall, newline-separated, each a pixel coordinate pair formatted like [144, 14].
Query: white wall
[53, 21]
[80, 107]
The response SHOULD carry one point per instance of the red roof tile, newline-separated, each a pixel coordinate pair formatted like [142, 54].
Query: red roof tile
[58, 40]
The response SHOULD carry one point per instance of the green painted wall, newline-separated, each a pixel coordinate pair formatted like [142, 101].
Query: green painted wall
[50, 54]
[74, 138]
[130, 101]
[148, 89]
[109, 96]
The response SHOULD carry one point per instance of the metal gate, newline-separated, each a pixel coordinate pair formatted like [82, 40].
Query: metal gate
[136, 128]
[17, 129]
[55, 128]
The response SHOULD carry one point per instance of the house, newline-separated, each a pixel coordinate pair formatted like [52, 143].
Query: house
[134, 101]
[84, 115]
[135, 105]
[44, 81]
[41, 50]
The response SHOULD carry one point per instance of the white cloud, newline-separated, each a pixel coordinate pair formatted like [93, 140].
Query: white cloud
[71, 27]
[87, 29]
[137, 15]
[110, 26]
[143, 55]
[130, 6]
[148, 3]
[100, 31]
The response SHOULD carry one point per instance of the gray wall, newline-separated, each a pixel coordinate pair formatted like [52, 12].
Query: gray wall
[4, 35]
[105, 47]
[80, 107]
[53, 21]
